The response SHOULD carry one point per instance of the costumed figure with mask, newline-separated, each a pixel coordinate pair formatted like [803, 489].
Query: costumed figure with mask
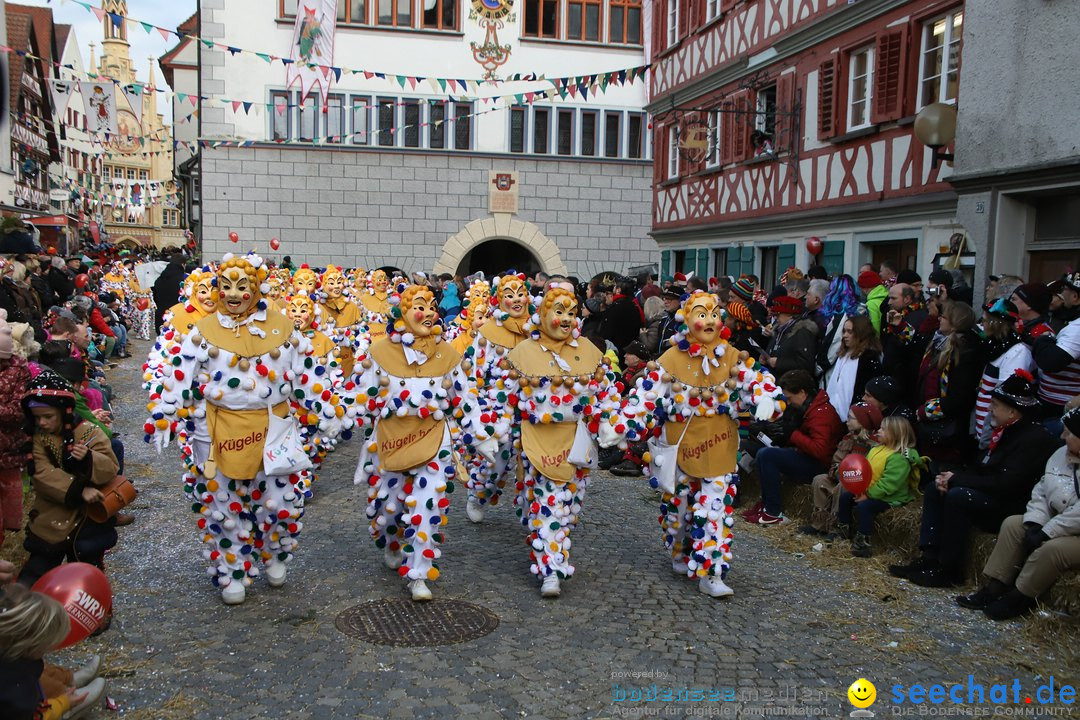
[498, 335]
[198, 302]
[413, 384]
[464, 328]
[691, 397]
[305, 281]
[341, 319]
[560, 391]
[375, 305]
[236, 367]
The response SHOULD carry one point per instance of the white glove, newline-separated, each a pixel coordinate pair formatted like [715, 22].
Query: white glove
[487, 449]
[162, 438]
[607, 436]
[766, 406]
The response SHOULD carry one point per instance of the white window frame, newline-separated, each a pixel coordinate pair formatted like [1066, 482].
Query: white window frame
[868, 79]
[673, 153]
[948, 41]
[672, 23]
[353, 132]
[712, 10]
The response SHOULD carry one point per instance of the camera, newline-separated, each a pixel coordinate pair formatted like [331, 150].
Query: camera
[933, 292]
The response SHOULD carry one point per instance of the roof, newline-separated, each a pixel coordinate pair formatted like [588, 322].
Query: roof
[62, 32]
[18, 28]
[28, 28]
[166, 61]
[43, 27]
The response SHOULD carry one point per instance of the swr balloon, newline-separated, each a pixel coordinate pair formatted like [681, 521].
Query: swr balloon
[234, 237]
[275, 243]
[82, 280]
[814, 246]
[84, 592]
[855, 473]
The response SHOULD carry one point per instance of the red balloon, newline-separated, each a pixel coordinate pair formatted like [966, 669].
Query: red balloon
[142, 303]
[275, 243]
[81, 280]
[84, 592]
[814, 245]
[234, 237]
[855, 473]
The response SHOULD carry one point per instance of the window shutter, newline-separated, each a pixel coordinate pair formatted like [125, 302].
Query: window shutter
[684, 16]
[827, 98]
[728, 122]
[659, 139]
[703, 263]
[665, 265]
[659, 29]
[744, 118]
[890, 61]
[785, 139]
[785, 258]
[832, 257]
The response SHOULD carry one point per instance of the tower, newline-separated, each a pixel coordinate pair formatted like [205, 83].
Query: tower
[115, 59]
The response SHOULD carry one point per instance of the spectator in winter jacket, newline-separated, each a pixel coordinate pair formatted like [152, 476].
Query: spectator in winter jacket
[1032, 303]
[1058, 358]
[623, 319]
[14, 377]
[808, 450]
[985, 493]
[902, 343]
[672, 299]
[884, 393]
[1068, 309]
[1005, 354]
[793, 345]
[876, 294]
[745, 289]
[858, 361]
[814, 301]
[1034, 549]
[863, 422]
[738, 320]
[655, 315]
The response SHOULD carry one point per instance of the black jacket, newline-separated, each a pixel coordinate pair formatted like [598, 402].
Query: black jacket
[795, 347]
[44, 291]
[1011, 469]
[167, 288]
[621, 323]
[62, 283]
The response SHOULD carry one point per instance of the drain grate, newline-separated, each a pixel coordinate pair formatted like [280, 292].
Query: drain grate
[405, 623]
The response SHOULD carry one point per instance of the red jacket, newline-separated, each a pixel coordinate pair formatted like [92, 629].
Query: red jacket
[97, 322]
[820, 431]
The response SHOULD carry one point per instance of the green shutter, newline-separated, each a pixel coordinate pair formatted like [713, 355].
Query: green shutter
[703, 263]
[665, 265]
[832, 257]
[785, 258]
[741, 261]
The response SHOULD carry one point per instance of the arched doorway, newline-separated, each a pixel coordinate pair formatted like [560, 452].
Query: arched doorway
[492, 257]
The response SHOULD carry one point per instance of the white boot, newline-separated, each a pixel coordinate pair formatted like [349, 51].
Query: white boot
[233, 593]
[419, 590]
[714, 587]
[275, 573]
[474, 510]
[392, 558]
[550, 586]
[679, 567]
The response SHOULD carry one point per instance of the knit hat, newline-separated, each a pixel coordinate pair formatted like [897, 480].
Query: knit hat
[1071, 420]
[908, 277]
[1036, 295]
[868, 416]
[636, 348]
[740, 312]
[7, 343]
[884, 389]
[743, 289]
[787, 305]
[1018, 390]
[868, 280]
[48, 388]
[680, 277]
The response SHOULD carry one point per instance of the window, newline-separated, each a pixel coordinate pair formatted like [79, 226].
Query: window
[565, 132]
[518, 129]
[144, 175]
[765, 111]
[361, 119]
[541, 116]
[437, 123]
[939, 66]
[440, 14]
[583, 20]
[308, 119]
[335, 118]
[410, 130]
[673, 153]
[542, 18]
[672, 22]
[712, 9]
[463, 126]
[279, 119]
[588, 132]
[719, 257]
[860, 87]
[359, 11]
[395, 13]
[712, 159]
[612, 127]
[132, 174]
[635, 139]
[387, 108]
[624, 22]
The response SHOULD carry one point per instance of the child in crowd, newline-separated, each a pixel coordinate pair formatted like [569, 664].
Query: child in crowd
[863, 422]
[636, 359]
[896, 469]
[71, 459]
[14, 375]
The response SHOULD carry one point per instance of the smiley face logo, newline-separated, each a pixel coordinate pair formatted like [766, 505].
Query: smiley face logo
[862, 693]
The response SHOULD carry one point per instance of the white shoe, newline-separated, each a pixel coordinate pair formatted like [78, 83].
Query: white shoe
[87, 672]
[679, 567]
[550, 586]
[275, 573]
[94, 690]
[233, 593]
[419, 590]
[474, 510]
[714, 587]
[392, 558]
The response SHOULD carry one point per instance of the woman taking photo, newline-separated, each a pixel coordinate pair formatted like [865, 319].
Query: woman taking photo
[858, 360]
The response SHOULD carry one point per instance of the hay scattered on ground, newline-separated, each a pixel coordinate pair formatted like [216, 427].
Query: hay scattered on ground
[178, 707]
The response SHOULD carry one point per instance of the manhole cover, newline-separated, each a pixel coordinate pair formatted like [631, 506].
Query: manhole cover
[411, 624]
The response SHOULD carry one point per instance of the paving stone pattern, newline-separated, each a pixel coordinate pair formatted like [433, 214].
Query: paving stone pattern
[792, 639]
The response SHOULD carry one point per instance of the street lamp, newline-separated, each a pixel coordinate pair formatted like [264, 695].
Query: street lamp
[935, 127]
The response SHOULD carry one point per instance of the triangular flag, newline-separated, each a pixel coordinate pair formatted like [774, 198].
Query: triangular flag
[263, 56]
[337, 74]
[146, 26]
[117, 20]
[208, 43]
[165, 33]
[236, 105]
[247, 107]
[98, 12]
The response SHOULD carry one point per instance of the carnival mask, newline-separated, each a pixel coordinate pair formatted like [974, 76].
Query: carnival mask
[703, 320]
[480, 298]
[333, 283]
[421, 314]
[301, 311]
[204, 296]
[513, 297]
[559, 314]
[379, 282]
[237, 290]
[304, 282]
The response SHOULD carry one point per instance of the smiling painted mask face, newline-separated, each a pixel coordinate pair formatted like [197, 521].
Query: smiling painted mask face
[301, 312]
[237, 291]
[379, 282]
[421, 315]
[204, 296]
[559, 315]
[703, 319]
[334, 284]
[513, 298]
[304, 282]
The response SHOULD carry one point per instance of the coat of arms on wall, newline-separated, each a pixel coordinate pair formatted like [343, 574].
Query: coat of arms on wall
[492, 16]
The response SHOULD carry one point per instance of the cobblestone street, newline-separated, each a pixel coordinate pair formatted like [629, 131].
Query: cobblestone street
[799, 630]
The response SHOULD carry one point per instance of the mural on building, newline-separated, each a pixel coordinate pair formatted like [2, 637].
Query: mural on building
[491, 16]
[313, 46]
